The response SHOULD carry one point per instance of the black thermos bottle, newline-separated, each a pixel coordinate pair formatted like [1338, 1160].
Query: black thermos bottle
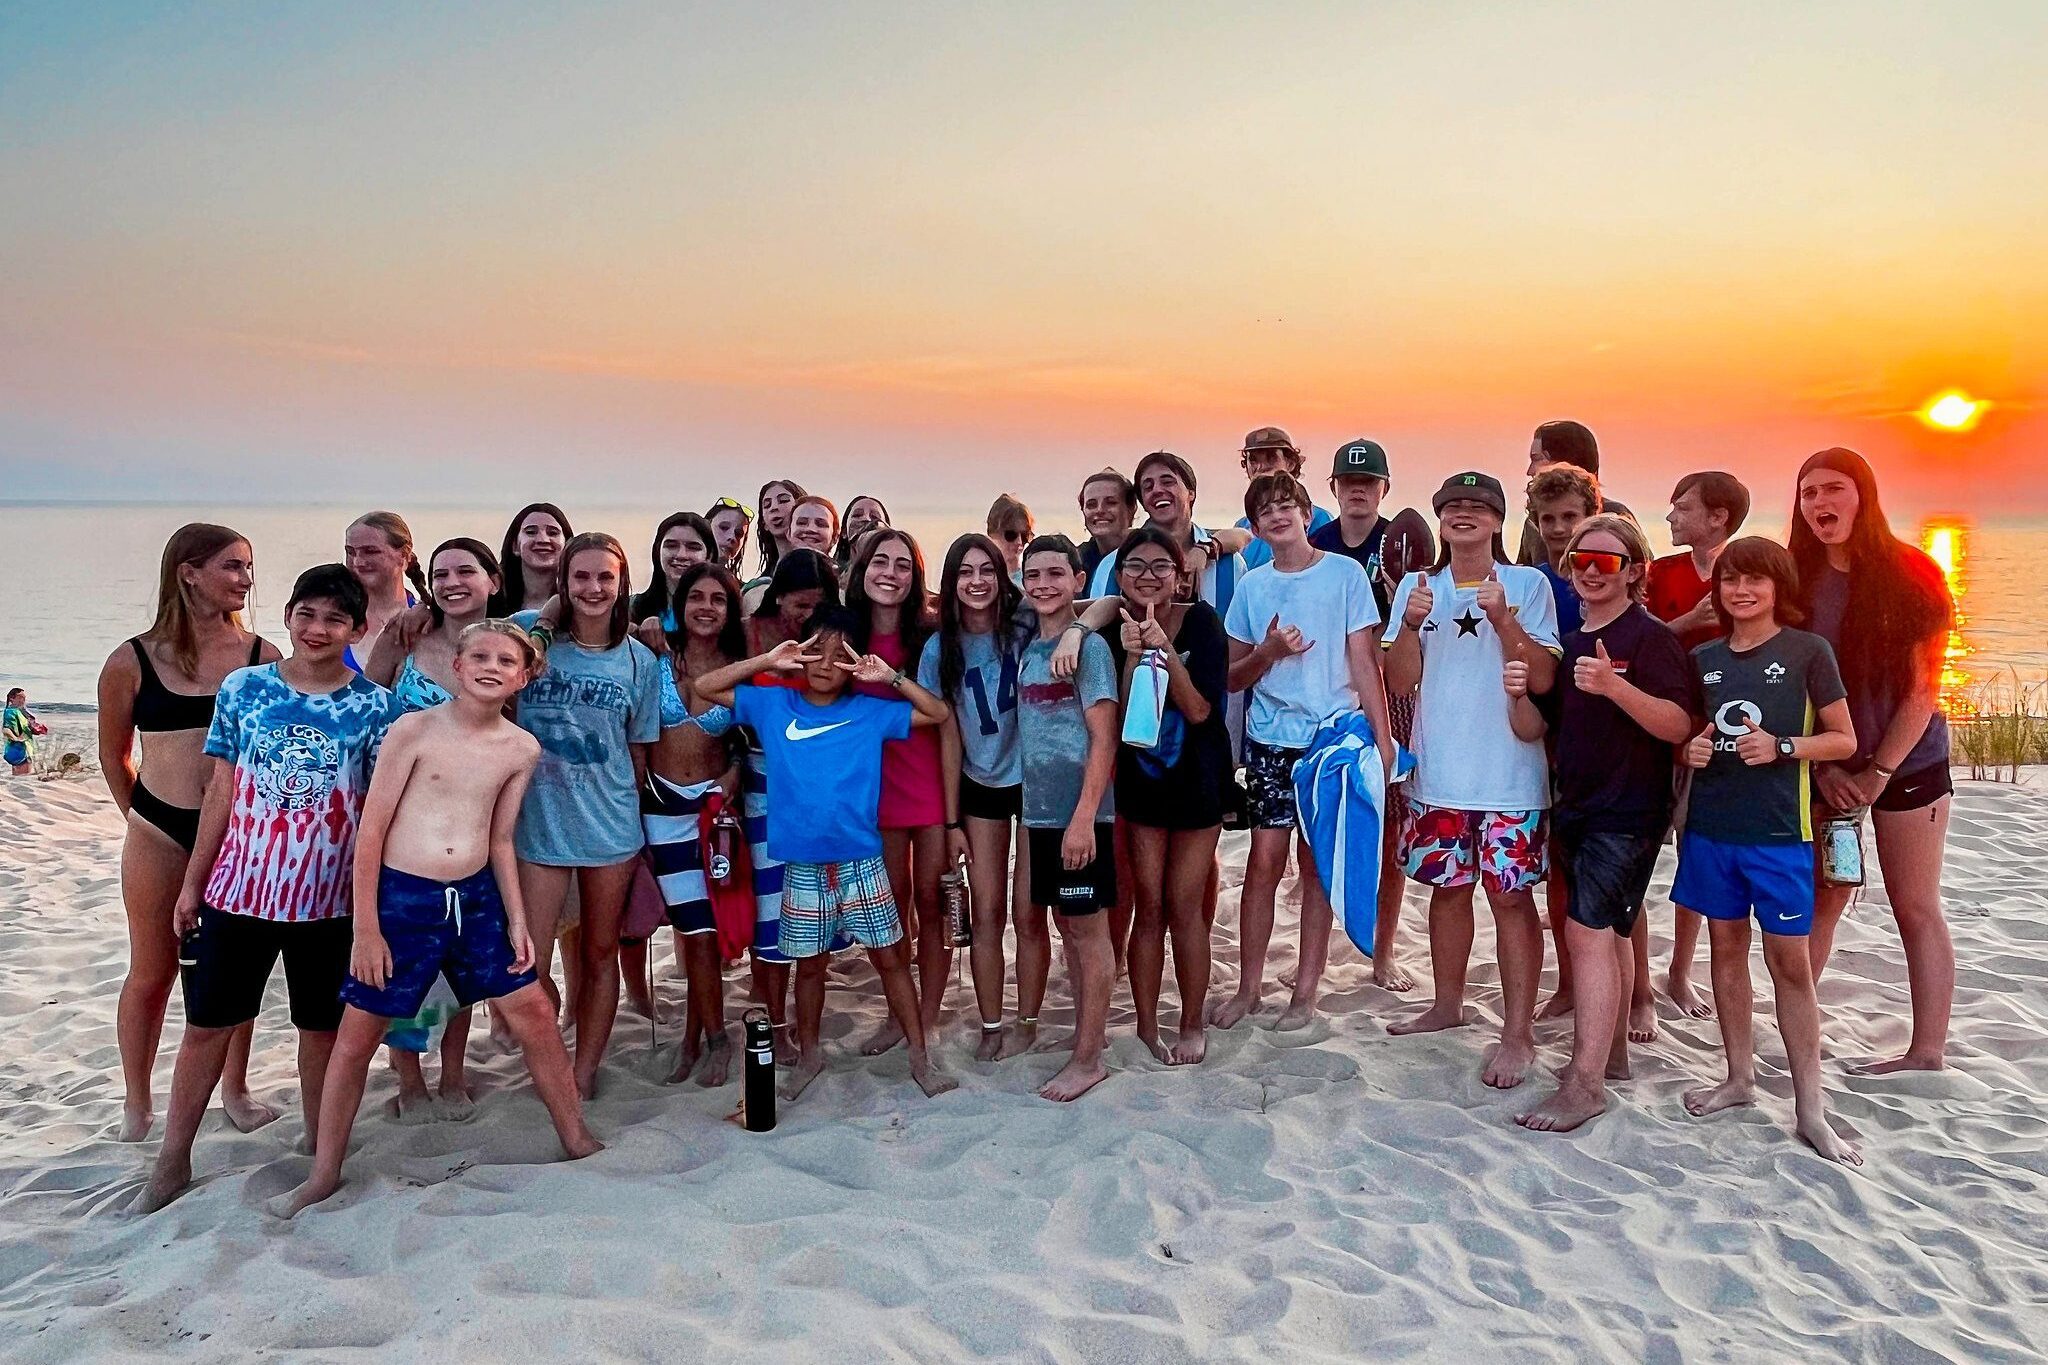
[760, 1077]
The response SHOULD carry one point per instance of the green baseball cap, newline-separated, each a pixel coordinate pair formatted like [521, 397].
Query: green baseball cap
[1361, 457]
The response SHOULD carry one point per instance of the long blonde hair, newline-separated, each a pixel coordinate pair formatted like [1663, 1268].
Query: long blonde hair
[194, 543]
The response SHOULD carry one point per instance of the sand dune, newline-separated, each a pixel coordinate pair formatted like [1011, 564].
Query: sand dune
[1329, 1194]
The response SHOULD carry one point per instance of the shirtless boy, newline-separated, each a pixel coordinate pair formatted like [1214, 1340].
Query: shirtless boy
[437, 891]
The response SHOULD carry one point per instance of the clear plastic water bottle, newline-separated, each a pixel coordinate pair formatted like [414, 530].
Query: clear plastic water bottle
[953, 894]
[1841, 849]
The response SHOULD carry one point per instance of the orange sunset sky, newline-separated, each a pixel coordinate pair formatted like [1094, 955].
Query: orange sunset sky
[405, 253]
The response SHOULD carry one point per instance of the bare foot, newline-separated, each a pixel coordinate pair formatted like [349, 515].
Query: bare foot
[1564, 1111]
[1231, 1011]
[785, 1046]
[411, 1109]
[1690, 1002]
[1505, 1064]
[456, 1103]
[930, 1079]
[586, 1087]
[1299, 1014]
[1556, 1007]
[1020, 1038]
[581, 1144]
[1432, 1020]
[1820, 1135]
[991, 1045]
[717, 1062]
[1389, 975]
[290, 1206]
[1157, 1048]
[245, 1111]
[501, 1034]
[687, 1058]
[882, 1039]
[166, 1182]
[1060, 1043]
[638, 1000]
[1642, 1022]
[1712, 1099]
[1618, 1068]
[799, 1076]
[1906, 1063]
[1190, 1048]
[135, 1123]
[1288, 976]
[1073, 1081]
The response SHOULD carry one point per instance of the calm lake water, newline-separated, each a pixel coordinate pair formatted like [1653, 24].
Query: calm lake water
[81, 578]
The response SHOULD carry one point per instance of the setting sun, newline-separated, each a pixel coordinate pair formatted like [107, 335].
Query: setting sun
[1952, 411]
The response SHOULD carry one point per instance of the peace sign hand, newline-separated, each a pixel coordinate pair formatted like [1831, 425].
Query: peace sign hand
[790, 656]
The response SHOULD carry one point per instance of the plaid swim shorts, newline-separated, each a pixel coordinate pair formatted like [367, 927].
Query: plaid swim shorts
[821, 901]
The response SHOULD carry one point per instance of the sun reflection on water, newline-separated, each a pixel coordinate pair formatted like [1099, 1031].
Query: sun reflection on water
[1945, 540]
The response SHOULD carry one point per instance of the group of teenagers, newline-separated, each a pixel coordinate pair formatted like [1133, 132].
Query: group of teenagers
[467, 759]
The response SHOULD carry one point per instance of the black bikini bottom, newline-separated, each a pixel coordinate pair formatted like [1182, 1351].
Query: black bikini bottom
[180, 824]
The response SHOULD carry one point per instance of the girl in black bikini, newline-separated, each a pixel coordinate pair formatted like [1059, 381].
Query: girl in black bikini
[196, 640]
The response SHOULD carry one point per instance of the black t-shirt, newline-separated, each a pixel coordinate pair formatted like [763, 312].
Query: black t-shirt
[1179, 783]
[1613, 776]
[1781, 684]
[1331, 537]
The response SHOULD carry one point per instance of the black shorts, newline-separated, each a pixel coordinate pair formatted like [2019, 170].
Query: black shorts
[1269, 784]
[1607, 876]
[1915, 790]
[989, 803]
[225, 964]
[1079, 892]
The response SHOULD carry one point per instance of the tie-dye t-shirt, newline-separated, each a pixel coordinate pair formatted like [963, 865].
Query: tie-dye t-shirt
[302, 768]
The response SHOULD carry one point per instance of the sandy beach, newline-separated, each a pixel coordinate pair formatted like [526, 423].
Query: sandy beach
[1329, 1194]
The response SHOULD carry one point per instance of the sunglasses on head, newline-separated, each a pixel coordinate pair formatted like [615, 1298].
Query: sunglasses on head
[736, 505]
[1597, 561]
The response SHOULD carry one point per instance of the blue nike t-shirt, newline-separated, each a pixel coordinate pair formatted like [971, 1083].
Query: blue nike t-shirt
[824, 770]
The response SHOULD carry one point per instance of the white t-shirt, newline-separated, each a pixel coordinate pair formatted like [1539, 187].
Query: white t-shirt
[1466, 753]
[1326, 602]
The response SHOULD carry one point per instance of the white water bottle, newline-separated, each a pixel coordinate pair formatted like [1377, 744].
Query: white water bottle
[1146, 705]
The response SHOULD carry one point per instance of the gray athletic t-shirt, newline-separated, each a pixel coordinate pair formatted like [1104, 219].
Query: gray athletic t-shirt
[985, 705]
[1052, 730]
[587, 710]
[1782, 685]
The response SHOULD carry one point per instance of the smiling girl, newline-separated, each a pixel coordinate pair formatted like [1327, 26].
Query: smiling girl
[595, 709]
[682, 539]
[378, 551]
[531, 553]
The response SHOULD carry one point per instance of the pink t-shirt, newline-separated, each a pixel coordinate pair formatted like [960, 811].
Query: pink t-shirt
[912, 772]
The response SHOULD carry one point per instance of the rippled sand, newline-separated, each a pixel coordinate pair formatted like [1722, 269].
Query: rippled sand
[1333, 1193]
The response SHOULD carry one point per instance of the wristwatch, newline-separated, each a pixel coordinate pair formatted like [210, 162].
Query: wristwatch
[1784, 746]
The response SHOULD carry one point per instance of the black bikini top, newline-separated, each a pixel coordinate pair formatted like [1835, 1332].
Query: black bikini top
[158, 709]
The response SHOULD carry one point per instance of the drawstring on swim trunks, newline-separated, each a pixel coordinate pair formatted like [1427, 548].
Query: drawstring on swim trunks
[451, 898]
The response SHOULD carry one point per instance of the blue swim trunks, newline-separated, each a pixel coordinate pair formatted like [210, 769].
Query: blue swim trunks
[456, 929]
[1727, 881]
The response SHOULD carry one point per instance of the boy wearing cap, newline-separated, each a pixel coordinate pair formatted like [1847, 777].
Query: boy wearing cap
[1475, 633]
[1360, 479]
[1270, 450]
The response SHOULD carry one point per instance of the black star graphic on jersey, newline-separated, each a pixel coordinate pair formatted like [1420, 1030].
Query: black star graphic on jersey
[1467, 624]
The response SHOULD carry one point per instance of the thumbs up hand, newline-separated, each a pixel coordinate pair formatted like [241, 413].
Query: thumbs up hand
[1492, 598]
[1420, 601]
[1594, 674]
[1699, 750]
[1758, 747]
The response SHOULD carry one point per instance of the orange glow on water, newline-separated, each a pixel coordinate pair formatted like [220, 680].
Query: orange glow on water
[1945, 541]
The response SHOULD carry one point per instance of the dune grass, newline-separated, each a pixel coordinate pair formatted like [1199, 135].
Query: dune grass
[2004, 728]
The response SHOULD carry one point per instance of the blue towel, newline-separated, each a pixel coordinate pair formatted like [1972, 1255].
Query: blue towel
[1340, 795]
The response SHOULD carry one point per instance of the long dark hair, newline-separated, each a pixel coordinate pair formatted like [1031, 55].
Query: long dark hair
[622, 620]
[843, 553]
[495, 606]
[770, 551]
[1898, 599]
[1149, 534]
[732, 636]
[913, 614]
[952, 658]
[653, 599]
[511, 570]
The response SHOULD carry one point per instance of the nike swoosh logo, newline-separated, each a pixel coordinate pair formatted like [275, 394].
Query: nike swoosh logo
[801, 732]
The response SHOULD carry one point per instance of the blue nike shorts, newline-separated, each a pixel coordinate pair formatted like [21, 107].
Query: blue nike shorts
[1728, 881]
[456, 929]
